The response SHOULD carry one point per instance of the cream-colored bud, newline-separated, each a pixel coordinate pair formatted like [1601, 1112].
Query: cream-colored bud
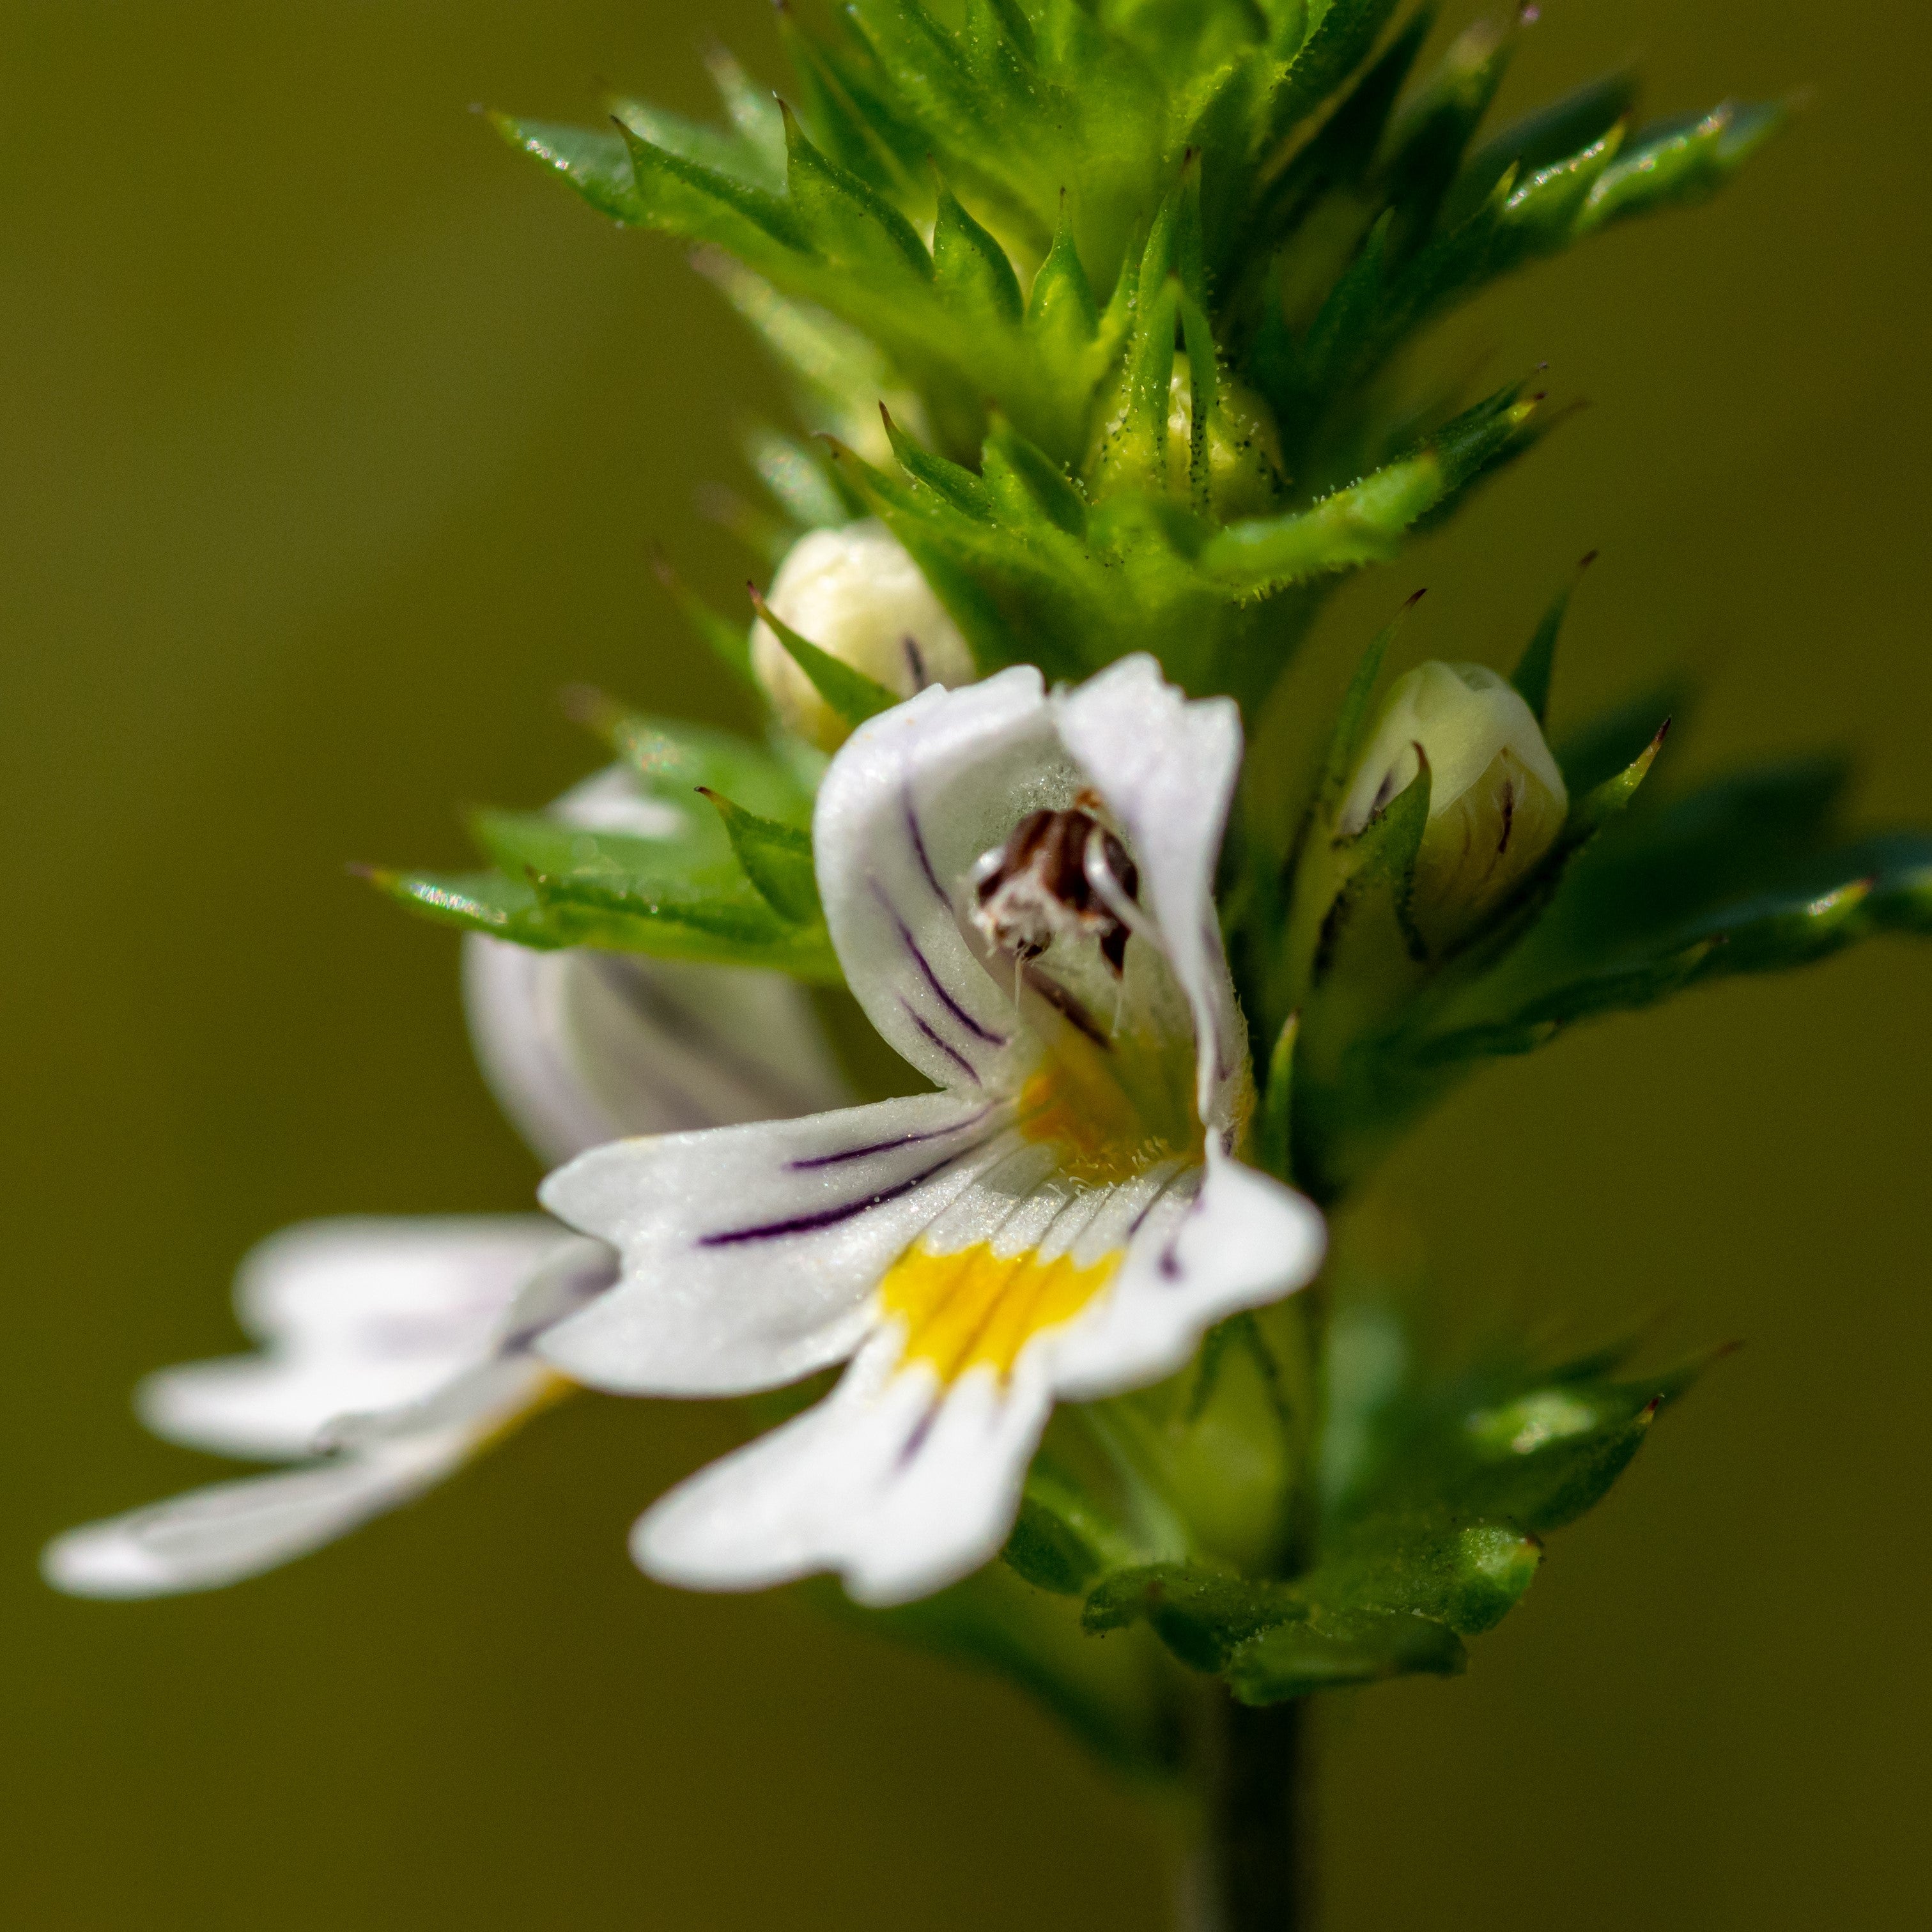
[857, 594]
[1496, 802]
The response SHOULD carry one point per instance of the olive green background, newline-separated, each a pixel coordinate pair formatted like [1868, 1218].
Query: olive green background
[335, 438]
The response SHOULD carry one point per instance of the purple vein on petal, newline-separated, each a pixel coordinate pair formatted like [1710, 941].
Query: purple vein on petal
[972, 1120]
[830, 1217]
[918, 838]
[931, 978]
[951, 1052]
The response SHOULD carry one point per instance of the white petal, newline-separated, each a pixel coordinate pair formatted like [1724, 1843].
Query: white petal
[1216, 1241]
[612, 800]
[509, 1380]
[581, 1047]
[1166, 766]
[899, 1490]
[749, 1252]
[914, 797]
[210, 1537]
[358, 1314]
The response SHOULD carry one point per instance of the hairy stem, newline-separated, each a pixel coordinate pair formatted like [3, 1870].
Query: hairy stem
[1252, 1870]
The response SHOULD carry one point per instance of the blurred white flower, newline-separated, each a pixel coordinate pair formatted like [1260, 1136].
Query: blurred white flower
[394, 1349]
[1020, 888]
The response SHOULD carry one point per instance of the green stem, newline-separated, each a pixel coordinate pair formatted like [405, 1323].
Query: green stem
[1252, 1870]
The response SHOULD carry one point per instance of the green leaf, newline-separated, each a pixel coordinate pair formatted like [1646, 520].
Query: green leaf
[674, 758]
[971, 268]
[1203, 1616]
[1062, 1539]
[1365, 523]
[1532, 675]
[849, 222]
[597, 165]
[1565, 127]
[1340, 1653]
[777, 860]
[730, 642]
[473, 902]
[853, 696]
[1679, 162]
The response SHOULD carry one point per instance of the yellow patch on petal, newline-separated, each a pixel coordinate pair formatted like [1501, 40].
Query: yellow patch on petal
[962, 1310]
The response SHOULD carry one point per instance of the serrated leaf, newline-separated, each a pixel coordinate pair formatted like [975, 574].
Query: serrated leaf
[777, 860]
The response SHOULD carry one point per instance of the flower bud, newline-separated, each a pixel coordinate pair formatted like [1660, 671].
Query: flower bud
[1244, 465]
[856, 593]
[1496, 799]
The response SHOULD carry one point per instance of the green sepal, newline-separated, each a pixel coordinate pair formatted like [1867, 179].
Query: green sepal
[1274, 1139]
[852, 695]
[777, 860]
[1537, 664]
[1378, 862]
[1588, 815]
[1747, 874]
[1353, 716]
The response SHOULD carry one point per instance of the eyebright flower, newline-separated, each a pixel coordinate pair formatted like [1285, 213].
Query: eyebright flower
[402, 1345]
[394, 1350]
[1019, 886]
[1496, 799]
[855, 593]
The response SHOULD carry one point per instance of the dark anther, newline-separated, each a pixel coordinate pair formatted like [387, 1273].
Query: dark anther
[1059, 871]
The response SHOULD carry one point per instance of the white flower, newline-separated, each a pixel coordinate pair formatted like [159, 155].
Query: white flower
[581, 1047]
[1496, 798]
[393, 1350]
[1019, 887]
[405, 1342]
[855, 593]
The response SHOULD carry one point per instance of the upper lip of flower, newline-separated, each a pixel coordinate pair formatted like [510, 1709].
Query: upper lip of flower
[1063, 1218]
